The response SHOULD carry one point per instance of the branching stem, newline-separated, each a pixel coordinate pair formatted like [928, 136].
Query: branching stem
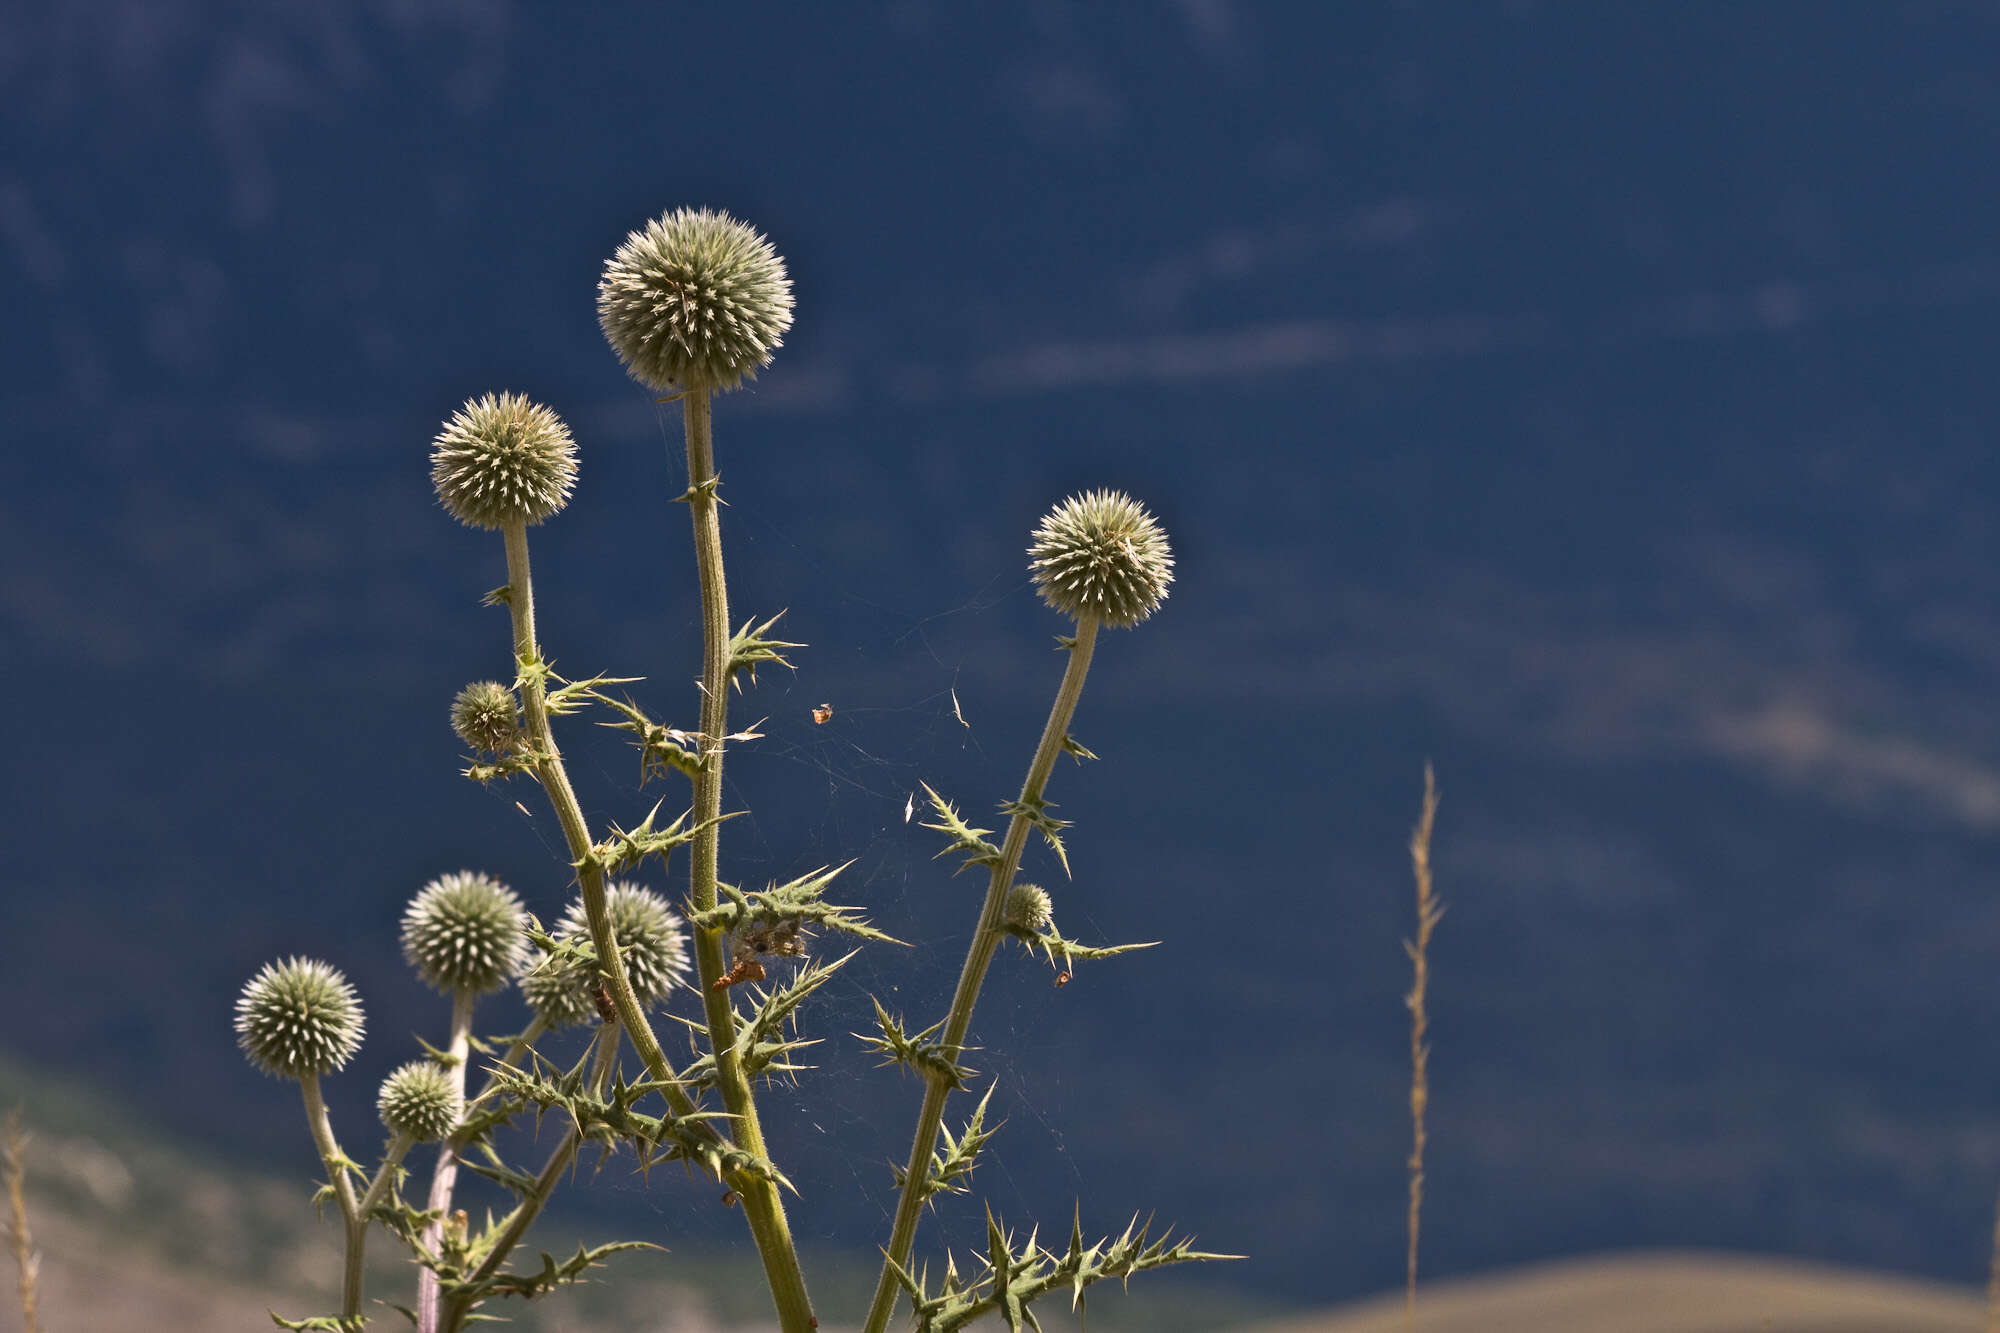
[1428, 912]
[984, 941]
[337, 1167]
[444, 1179]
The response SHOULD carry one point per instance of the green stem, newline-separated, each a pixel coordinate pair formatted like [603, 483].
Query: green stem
[984, 941]
[762, 1206]
[386, 1172]
[555, 781]
[336, 1164]
[444, 1178]
[605, 1059]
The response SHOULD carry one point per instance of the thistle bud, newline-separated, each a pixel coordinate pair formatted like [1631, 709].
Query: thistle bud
[651, 944]
[463, 932]
[419, 1100]
[502, 459]
[695, 300]
[298, 1019]
[486, 717]
[1101, 554]
[1028, 912]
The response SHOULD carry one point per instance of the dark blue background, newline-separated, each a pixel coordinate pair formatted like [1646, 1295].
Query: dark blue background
[1596, 400]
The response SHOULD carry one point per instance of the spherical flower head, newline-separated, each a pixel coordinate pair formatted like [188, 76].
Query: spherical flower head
[1028, 910]
[464, 932]
[650, 942]
[1101, 554]
[298, 1019]
[695, 300]
[487, 717]
[502, 459]
[419, 1100]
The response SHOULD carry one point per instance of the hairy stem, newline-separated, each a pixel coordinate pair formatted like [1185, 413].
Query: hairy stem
[762, 1207]
[604, 1060]
[444, 1179]
[985, 940]
[1428, 912]
[336, 1164]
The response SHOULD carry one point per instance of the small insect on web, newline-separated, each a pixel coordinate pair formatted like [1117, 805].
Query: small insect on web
[779, 939]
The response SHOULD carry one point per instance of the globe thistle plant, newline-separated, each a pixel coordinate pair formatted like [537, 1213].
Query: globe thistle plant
[464, 932]
[298, 1019]
[694, 300]
[487, 717]
[418, 1099]
[1029, 910]
[651, 944]
[502, 459]
[1101, 554]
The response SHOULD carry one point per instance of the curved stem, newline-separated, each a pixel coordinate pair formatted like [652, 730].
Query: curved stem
[555, 782]
[444, 1179]
[605, 1059]
[985, 940]
[391, 1159]
[762, 1207]
[336, 1164]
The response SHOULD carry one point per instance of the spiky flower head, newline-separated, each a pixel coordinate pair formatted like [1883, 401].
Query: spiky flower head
[694, 300]
[1101, 554]
[650, 942]
[502, 459]
[464, 932]
[486, 716]
[298, 1019]
[419, 1100]
[1028, 911]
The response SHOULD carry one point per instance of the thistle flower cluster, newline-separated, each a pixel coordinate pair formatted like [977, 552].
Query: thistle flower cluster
[1101, 554]
[298, 1019]
[419, 1100]
[695, 300]
[487, 717]
[501, 460]
[465, 932]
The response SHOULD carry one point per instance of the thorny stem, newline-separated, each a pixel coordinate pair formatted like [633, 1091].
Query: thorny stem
[984, 941]
[762, 1207]
[555, 782]
[605, 1059]
[19, 1239]
[1428, 912]
[445, 1178]
[336, 1164]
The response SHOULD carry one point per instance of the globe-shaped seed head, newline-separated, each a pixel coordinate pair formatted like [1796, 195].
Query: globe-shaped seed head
[1101, 554]
[1028, 912]
[694, 300]
[502, 459]
[650, 942]
[486, 716]
[419, 1100]
[298, 1019]
[464, 932]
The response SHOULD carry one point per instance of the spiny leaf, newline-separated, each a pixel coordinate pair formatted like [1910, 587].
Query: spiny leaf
[921, 1052]
[965, 839]
[749, 649]
[799, 900]
[661, 747]
[1036, 811]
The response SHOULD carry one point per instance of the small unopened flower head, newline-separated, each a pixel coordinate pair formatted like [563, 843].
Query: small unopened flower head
[419, 1100]
[502, 459]
[298, 1018]
[694, 300]
[1101, 554]
[486, 716]
[463, 932]
[1029, 910]
[651, 944]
